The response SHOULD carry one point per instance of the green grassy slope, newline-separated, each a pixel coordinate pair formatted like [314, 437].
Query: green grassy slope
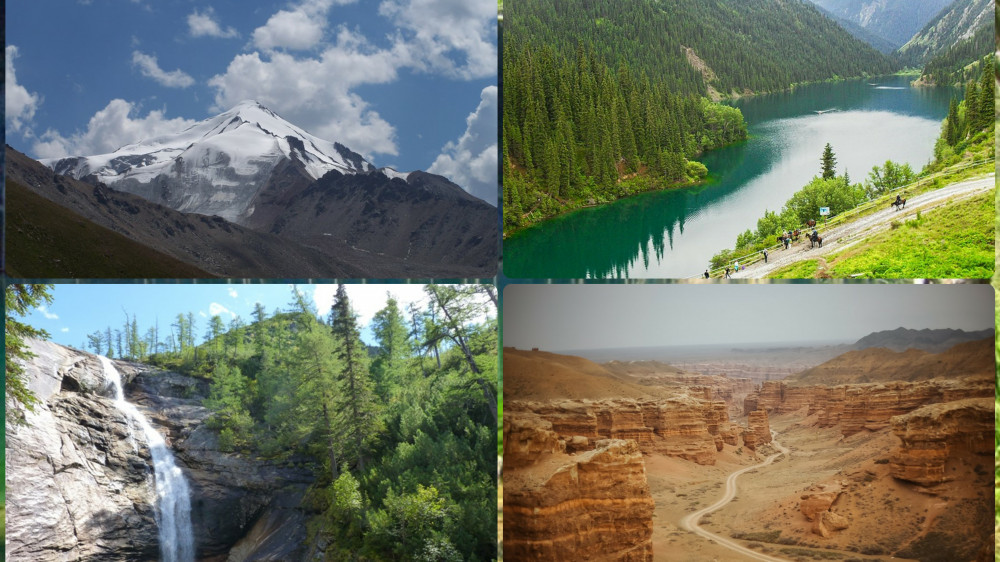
[953, 242]
[45, 240]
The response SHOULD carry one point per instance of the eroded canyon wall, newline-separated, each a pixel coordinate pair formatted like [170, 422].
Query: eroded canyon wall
[858, 407]
[938, 434]
[595, 505]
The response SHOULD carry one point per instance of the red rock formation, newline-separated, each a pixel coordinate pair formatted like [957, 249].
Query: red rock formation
[827, 522]
[858, 407]
[526, 437]
[678, 426]
[758, 430]
[935, 435]
[818, 499]
[593, 506]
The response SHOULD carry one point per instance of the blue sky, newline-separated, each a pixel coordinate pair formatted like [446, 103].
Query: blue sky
[407, 83]
[80, 309]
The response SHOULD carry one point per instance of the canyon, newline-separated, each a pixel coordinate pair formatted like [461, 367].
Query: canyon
[606, 461]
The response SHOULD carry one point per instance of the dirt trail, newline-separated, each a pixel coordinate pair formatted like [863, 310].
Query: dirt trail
[690, 523]
[845, 235]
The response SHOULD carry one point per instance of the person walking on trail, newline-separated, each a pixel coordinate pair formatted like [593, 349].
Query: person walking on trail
[765, 255]
[736, 265]
[727, 272]
[706, 274]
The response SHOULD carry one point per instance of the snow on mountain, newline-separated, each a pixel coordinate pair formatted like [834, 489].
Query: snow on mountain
[217, 165]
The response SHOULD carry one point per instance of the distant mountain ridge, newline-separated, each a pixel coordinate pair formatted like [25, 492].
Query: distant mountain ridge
[448, 233]
[878, 364]
[934, 341]
[894, 21]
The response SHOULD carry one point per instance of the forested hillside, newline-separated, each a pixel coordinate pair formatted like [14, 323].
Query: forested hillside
[400, 434]
[956, 65]
[756, 45]
[604, 98]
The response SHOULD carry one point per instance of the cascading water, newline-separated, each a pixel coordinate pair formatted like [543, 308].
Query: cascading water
[173, 510]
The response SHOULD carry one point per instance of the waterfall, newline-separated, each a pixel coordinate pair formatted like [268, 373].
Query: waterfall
[173, 505]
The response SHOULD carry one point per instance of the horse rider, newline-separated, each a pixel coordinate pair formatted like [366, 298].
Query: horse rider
[899, 199]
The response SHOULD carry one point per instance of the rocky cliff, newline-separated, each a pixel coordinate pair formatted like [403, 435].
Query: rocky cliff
[938, 435]
[858, 407]
[595, 505]
[682, 426]
[80, 480]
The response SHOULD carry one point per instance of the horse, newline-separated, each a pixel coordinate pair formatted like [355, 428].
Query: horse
[814, 239]
[795, 234]
[899, 204]
[810, 223]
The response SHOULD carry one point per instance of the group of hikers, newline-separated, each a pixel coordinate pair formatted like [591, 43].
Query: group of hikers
[786, 238]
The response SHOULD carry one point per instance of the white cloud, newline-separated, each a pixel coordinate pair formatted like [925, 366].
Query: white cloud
[316, 91]
[202, 314]
[19, 102]
[151, 69]
[445, 30]
[367, 299]
[232, 292]
[290, 30]
[110, 128]
[45, 312]
[216, 309]
[64, 330]
[204, 25]
[471, 162]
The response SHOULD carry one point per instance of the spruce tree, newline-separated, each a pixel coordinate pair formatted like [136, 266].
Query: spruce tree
[356, 404]
[829, 162]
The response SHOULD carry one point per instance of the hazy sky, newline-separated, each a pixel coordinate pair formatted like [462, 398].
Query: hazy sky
[575, 317]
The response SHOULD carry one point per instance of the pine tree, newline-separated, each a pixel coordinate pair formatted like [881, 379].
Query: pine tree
[829, 162]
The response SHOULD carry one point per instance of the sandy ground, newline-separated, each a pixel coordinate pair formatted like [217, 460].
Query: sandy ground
[840, 237]
[882, 511]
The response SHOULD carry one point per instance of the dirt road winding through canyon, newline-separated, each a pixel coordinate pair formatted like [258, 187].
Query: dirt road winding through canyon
[690, 523]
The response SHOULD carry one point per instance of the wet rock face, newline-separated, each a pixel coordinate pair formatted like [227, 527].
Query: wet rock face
[595, 506]
[936, 435]
[80, 481]
[77, 486]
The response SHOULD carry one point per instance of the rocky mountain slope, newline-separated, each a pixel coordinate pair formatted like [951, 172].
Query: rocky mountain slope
[216, 166]
[80, 479]
[959, 21]
[225, 249]
[894, 21]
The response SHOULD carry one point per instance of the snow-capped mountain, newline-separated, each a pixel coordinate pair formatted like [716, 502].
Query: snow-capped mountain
[217, 166]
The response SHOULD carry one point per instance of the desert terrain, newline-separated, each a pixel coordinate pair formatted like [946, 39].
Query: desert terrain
[616, 461]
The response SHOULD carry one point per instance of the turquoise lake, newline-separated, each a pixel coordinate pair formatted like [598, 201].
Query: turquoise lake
[674, 233]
